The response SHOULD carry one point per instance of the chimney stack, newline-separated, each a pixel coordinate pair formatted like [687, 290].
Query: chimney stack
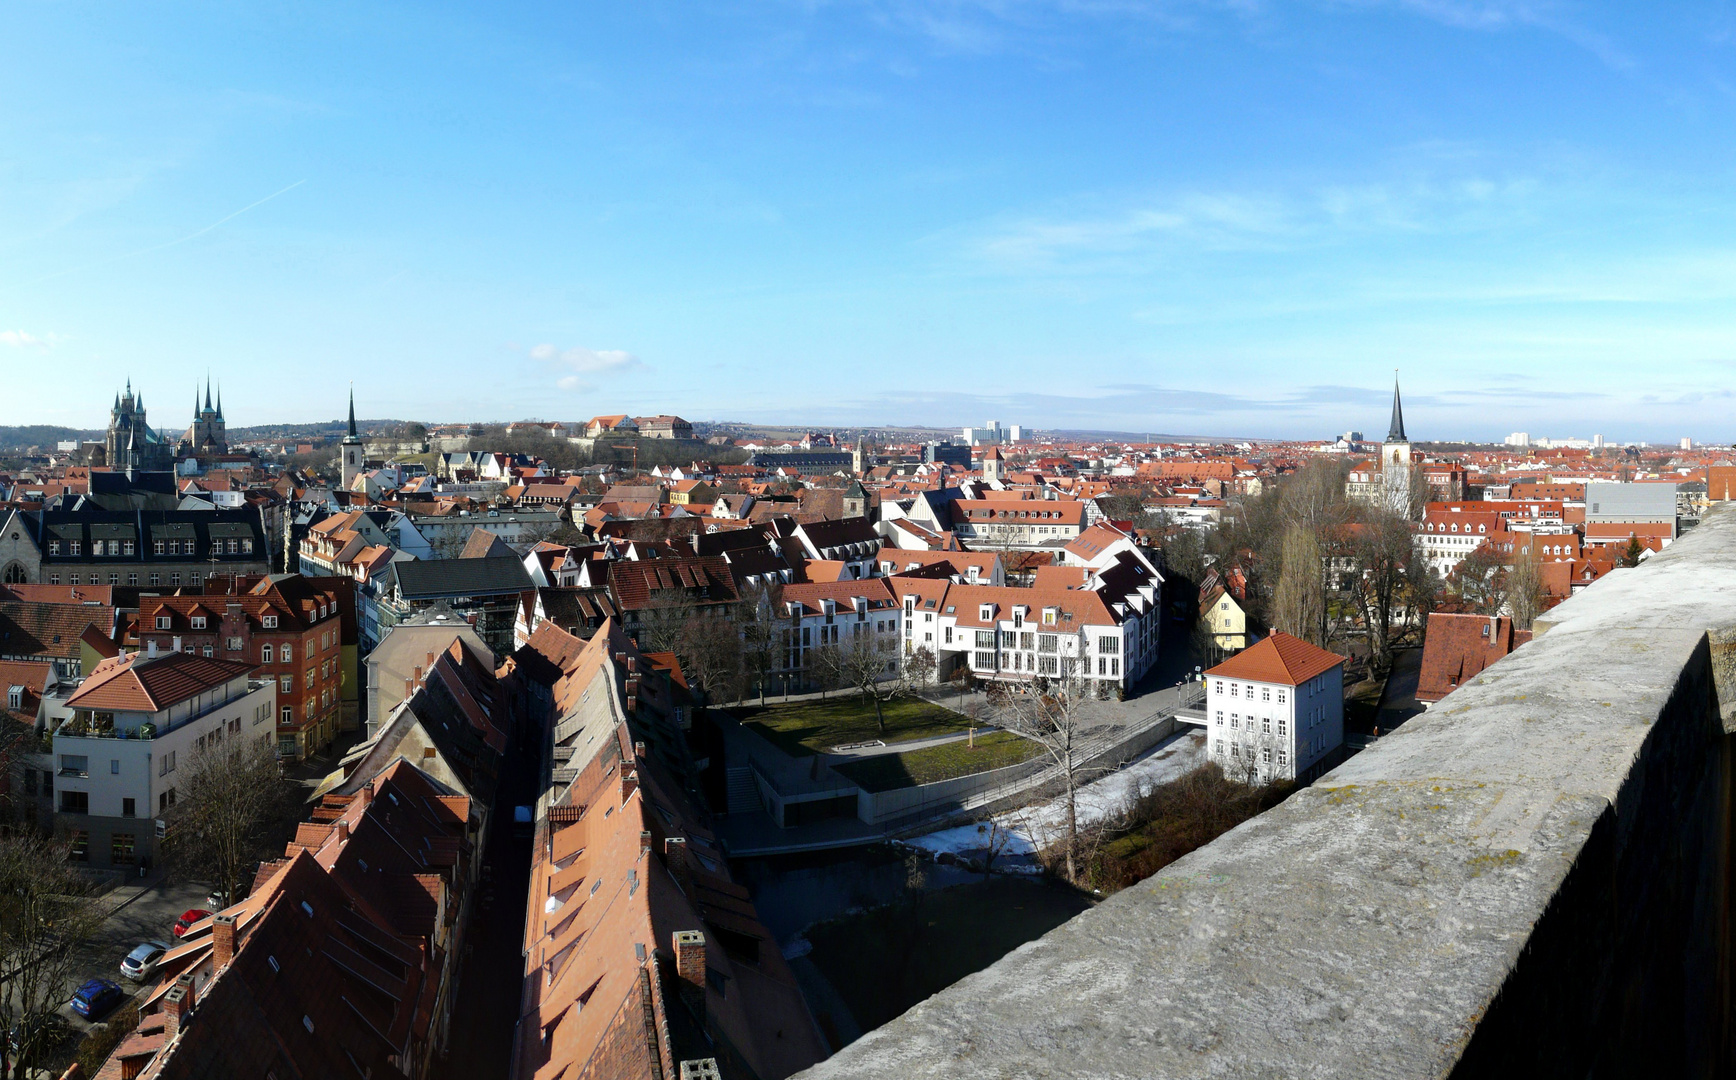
[222, 941]
[675, 857]
[365, 794]
[176, 1004]
[690, 968]
[629, 784]
[151, 649]
[343, 831]
[177, 642]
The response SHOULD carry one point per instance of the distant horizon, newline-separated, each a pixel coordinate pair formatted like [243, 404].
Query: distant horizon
[956, 430]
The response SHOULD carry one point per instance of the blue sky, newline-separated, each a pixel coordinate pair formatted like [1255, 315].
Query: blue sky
[1230, 217]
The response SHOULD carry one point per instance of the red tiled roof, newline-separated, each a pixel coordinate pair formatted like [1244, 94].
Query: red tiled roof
[1282, 659]
[139, 683]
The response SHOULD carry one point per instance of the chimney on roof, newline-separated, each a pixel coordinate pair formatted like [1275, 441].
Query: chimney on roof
[365, 795]
[151, 649]
[675, 857]
[690, 968]
[176, 1004]
[222, 941]
[343, 831]
[644, 841]
[629, 784]
[177, 642]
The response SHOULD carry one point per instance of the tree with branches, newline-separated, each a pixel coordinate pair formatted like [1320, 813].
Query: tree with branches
[920, 666]
[1054, 719]
[1479, 582]
[234, 809]
[46, 917]
[1387, 580]
[1525, 591]
[1299, 600]
[862, 667]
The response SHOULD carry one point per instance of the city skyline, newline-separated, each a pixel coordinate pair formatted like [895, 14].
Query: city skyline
[1228, 218]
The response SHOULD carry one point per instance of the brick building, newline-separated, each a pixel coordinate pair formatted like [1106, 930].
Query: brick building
[290, 626]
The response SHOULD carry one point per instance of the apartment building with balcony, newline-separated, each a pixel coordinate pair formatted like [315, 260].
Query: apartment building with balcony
[139, 724]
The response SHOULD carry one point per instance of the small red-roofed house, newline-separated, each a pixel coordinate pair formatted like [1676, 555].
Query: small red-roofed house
[1275, 711]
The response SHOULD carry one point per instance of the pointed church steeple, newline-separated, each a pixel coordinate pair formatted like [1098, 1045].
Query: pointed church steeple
[1395, 433]
[219, 401]
[353, 434]
[207, 392]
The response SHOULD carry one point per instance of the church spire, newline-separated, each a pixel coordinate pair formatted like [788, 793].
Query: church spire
[219, 401]
[353, 434]
[207, 391]
[1395, 433]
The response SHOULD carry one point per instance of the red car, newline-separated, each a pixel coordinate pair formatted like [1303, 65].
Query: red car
[188, 918]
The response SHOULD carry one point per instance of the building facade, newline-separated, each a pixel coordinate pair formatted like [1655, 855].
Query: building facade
[1275, 711]
[149, 548]
[139, 725]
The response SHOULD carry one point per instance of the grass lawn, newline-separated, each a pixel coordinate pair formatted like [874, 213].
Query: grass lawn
[883, 772]
[887, 959]
[810, 727]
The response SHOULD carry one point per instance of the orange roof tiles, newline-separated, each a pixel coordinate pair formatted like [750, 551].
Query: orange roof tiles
[1281, 659]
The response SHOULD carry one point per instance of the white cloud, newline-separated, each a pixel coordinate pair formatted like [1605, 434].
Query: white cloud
[579, 361]
[19, 339]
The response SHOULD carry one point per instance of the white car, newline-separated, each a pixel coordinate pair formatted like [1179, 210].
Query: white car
[142, 962]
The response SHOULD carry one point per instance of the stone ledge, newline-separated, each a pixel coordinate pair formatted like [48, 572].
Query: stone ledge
[1530, 879]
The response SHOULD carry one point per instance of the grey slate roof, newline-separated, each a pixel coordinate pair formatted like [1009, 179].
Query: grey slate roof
[434, 578]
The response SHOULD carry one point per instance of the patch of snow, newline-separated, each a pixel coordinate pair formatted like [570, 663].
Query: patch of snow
[1033, 827]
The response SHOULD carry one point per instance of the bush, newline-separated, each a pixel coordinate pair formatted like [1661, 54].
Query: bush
[1173, 819]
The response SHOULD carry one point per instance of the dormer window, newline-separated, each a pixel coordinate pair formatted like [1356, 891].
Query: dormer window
[162, 622]
[269, 622]
[986, 612]
[15, 697]
[198, 622]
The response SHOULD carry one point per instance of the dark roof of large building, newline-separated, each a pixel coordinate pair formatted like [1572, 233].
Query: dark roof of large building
[434, 578]
[143, 528]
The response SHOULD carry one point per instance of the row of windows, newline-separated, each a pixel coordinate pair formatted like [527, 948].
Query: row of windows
[1236, 752]
[1247, 690]
[1265, 722]
[194, 579]
[243, 546]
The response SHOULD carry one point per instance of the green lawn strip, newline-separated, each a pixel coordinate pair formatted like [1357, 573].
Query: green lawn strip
[884, 772]
[810, 727]
[885, 960]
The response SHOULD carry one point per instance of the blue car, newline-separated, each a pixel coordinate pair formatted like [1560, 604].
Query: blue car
[97, 998]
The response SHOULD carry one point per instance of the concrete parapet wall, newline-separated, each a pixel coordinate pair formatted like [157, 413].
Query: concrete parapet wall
[1530, 880]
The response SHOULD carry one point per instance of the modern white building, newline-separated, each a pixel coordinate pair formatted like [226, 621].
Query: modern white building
[1275, 711]
[139, 725]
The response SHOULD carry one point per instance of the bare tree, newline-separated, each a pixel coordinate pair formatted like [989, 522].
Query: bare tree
[234, 809]
[1525, 592]
[710, 651]
[1385, 559]
[45, 917]
[664, 620]
[763, 633]
[1053, 719]
[862, 667]
[1479, 582]
[920, 665]
[1299, 601]
[823, 667]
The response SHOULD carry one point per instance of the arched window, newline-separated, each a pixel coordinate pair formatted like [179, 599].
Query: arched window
[265, 654]
[14, 574]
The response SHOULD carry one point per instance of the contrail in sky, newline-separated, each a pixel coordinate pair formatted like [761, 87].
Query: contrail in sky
[169, 243]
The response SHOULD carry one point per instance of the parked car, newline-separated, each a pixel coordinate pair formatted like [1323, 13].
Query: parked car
[142, 962]
[218, 900]
[35, 1034]
[188, 918]
[97, 998]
